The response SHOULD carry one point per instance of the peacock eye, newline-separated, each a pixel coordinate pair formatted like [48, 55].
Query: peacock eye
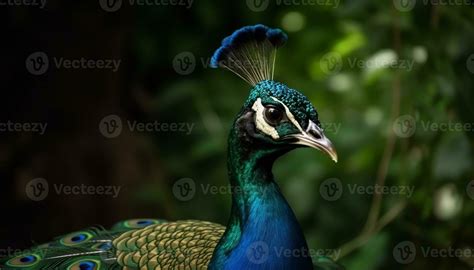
[273, 115]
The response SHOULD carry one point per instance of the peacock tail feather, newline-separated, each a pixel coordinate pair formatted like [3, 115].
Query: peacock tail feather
[176, 245]
[131, 244]
[88, 249]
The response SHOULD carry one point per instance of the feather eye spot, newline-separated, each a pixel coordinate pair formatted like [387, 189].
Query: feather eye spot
[85, 265]
[24, 260]
[76, 238]
[144, 222]
[28, 259]
[104, 246]
[140, 223]
[137, 223]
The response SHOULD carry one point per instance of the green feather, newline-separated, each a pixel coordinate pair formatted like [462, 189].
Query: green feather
[88, 249]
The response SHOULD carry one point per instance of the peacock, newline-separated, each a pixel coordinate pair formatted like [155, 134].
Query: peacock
[274, 120]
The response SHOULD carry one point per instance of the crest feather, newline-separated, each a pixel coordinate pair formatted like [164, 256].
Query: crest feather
[250, 52]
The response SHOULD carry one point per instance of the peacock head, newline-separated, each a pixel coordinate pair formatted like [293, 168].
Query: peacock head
[284, 118]
[274, 117]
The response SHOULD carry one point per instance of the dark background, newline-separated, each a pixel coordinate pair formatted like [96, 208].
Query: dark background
[374, 144]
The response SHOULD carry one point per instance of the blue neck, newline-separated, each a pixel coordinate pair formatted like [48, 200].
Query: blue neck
[262, 232]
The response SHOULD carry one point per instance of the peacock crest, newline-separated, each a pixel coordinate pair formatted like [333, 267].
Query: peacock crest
[250, 53]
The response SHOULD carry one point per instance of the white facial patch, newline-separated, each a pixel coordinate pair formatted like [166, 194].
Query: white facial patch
[266, 128]
[260, 122]
[290, 116]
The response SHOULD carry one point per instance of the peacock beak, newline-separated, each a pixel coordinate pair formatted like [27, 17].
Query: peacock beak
[315, 138]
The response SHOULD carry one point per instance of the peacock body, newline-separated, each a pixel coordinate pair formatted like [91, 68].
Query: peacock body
[275, 119]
